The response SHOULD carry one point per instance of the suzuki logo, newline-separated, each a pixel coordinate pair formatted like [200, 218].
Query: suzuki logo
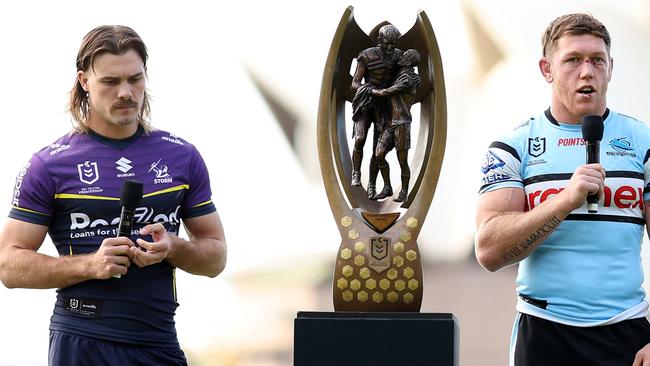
[123, 165]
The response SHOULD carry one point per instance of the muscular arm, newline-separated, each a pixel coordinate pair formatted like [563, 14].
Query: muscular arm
[507, 234]
[358, 75]
[204, 254]
[22, 266]
[642, 357]
[401, 84]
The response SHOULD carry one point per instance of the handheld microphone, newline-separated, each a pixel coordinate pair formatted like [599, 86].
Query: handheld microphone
[130, 198]
[592, 133]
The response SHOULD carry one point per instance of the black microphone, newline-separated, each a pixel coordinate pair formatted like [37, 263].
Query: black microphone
[130, 198]
[592, 133]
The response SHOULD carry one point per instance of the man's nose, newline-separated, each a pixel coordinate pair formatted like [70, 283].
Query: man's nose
[587, 69]
[124, 91]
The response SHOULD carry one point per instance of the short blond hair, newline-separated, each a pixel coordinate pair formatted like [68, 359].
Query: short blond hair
[574, 24]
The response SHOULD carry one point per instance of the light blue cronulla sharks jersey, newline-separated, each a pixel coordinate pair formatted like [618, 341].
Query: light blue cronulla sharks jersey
[588, 271]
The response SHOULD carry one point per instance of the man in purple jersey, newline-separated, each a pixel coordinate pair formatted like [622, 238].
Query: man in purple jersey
[71, 191]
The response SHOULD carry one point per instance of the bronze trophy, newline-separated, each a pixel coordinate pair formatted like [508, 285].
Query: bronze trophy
[378, 264]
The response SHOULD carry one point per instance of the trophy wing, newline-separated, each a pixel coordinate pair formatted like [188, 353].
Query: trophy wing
[428, 155]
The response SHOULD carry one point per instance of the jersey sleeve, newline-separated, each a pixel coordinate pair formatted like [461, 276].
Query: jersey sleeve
[501, 167]
[198, 201]
[33, 194]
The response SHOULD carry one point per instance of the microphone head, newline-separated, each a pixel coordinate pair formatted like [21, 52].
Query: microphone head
[131, 194]
[592, 128]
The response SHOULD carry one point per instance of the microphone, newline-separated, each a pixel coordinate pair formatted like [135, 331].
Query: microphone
[592, 133]
[130, 198]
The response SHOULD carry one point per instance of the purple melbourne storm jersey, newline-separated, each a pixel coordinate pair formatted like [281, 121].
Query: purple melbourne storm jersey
[73, 188]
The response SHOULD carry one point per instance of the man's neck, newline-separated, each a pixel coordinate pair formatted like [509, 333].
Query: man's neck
[113, 131]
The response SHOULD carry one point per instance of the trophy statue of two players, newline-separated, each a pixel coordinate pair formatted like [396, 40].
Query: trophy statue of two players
[378, 264]
[364, 127]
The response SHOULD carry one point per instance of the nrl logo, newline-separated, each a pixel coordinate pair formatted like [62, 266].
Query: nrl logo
[379, 247]
[74, 303]
[536, 146]
[88, 172]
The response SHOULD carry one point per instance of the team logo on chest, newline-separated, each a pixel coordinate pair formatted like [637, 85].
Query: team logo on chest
[88, 172]
[621, 147]
[161, 171]
[536, 146]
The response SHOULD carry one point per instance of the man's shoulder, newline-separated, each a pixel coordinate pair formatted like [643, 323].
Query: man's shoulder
[58, 147]
[627, 118]
[523, 127]
[517, 135]
[168, 138]
[370, 53]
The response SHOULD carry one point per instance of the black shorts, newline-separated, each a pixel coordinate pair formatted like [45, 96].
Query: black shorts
[540, 342]
[72, 350]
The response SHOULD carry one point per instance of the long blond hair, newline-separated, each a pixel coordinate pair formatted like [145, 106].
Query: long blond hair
[113, 39]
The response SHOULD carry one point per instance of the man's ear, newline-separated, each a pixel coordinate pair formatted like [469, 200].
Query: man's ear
[545, 69]
[83, 79]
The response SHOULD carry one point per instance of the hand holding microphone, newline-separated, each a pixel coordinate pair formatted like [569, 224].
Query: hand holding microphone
[130, 198]
[592, 133]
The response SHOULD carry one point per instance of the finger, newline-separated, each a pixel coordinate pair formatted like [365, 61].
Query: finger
[151, 257]
[145, 244]
[158, 227]
[143, 259]
[122, 240]
[122, 270]
[593, 169]
[122, 250]
[121, 260]
[161, 246]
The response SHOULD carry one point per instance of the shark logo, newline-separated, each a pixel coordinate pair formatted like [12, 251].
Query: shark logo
[621, 144]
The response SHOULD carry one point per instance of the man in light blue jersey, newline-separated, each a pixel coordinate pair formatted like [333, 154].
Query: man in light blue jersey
[71, 191]
[580, 300]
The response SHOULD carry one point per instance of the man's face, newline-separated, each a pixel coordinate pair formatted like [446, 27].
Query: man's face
[579, 69]
[116, 85]
[387, 45]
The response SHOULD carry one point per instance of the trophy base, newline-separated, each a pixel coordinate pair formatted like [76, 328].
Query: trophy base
[378, 339]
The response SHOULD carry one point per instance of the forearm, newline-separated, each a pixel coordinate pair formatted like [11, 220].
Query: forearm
[24, 268]
[200, 256]
[508, 238]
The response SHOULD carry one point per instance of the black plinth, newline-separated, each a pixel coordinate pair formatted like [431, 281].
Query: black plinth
[375, 339]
